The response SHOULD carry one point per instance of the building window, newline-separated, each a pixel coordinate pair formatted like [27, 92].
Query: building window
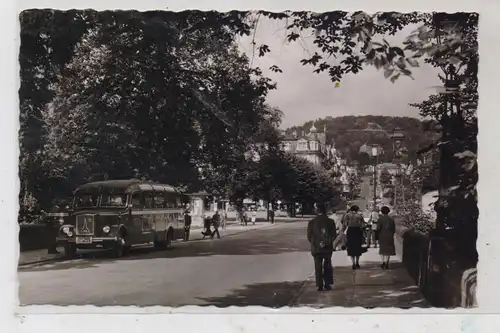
[314, 145]
[302, 145]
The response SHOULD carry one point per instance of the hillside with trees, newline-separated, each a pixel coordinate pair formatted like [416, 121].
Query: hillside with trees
[349, 133]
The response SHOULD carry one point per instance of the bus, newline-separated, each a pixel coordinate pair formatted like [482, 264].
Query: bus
[118, 214]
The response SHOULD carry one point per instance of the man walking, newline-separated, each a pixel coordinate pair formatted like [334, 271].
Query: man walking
[372, 228]
[321, 233]
[271, 214]
[187, 223]
[216, 223]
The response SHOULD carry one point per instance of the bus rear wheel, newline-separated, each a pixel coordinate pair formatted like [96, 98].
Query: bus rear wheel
[165, 243]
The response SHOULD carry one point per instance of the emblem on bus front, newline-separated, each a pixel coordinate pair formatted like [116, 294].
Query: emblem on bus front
[85, 227]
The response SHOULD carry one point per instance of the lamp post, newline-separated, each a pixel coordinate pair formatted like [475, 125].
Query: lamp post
[375, 154]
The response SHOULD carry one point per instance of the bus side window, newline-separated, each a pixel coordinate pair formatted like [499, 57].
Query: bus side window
[171, 203]
[178, 202]
[136, 200]
[160, 200]
[148, 199]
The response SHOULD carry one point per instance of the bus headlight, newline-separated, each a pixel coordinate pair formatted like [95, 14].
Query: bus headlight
[106, 229]
[70, 233]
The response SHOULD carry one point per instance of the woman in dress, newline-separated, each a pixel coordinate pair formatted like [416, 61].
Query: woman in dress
[353, 228]
[387, 229]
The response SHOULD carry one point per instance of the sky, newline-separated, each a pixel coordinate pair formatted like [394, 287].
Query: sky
[303, 95]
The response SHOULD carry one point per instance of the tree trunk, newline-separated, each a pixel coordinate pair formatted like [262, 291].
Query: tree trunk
[239, 209]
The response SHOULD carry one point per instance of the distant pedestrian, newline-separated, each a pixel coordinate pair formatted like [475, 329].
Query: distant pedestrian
[216, 224]
[387, 229]
[371, 230]
[224, 219]
[353, 228]
[321, 233]
[271, 215]
[254, 216]
[207, 231]
[187, 224]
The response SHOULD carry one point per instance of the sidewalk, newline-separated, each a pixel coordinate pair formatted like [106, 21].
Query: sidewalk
[368, 287]
[233, 228]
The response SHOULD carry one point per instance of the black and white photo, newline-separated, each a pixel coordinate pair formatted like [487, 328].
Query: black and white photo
[248, 158]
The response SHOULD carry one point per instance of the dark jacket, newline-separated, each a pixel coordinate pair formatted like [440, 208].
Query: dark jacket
[353, 219]
[216, 220]
[187, 219]
[321, 233]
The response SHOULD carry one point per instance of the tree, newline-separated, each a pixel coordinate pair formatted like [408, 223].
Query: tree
[364, 159]
[385, 177]
[447, 41]
[153, 95]
[46, 45]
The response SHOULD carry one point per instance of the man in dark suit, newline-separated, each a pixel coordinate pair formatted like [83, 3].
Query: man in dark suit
[321, 233]
[187, 223]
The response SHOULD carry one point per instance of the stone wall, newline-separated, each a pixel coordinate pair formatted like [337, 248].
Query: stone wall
[34, 236]
[447, 285]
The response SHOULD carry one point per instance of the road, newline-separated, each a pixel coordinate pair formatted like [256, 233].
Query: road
[265, 267]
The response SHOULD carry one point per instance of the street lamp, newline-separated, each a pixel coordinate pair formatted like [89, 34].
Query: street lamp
[375, 154]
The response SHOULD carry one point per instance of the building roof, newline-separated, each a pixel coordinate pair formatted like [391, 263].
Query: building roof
[315, 136]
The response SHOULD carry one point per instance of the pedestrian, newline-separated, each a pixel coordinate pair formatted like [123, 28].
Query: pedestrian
[321, 233]
[207, 222]
[254, 216]
[353, 228]
[51, 228]
[271, 215]
[224, 219]
[187, 224]
[372, 227]
[387, 229]
[216, 224]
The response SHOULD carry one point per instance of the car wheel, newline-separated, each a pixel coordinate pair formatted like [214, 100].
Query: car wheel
[120, 247]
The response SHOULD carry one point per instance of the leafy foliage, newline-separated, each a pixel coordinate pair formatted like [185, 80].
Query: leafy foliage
[348, 42]
[150, 95]
[153, 95]
[413, 215]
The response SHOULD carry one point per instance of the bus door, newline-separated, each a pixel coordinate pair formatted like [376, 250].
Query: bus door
[136, 220]
[148, 218]
[160, 215]
[173, 215]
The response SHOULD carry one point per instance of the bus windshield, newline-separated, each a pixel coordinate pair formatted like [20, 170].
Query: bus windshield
[86, 200]
[113, 200]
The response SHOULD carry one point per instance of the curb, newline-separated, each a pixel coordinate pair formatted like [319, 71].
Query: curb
[299, 293]
[60, 259]
[41, 261]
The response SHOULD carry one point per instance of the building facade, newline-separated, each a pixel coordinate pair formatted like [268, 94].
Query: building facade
[311, 146]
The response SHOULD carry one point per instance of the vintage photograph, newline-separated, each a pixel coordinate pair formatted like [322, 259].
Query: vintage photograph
[286, 159]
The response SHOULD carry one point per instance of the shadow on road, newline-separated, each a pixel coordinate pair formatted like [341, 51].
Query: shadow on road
[274, 295]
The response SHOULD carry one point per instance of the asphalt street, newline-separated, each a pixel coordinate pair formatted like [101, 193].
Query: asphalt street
[265, 267]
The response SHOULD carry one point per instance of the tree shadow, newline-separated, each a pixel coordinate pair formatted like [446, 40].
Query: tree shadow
[273, 295]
